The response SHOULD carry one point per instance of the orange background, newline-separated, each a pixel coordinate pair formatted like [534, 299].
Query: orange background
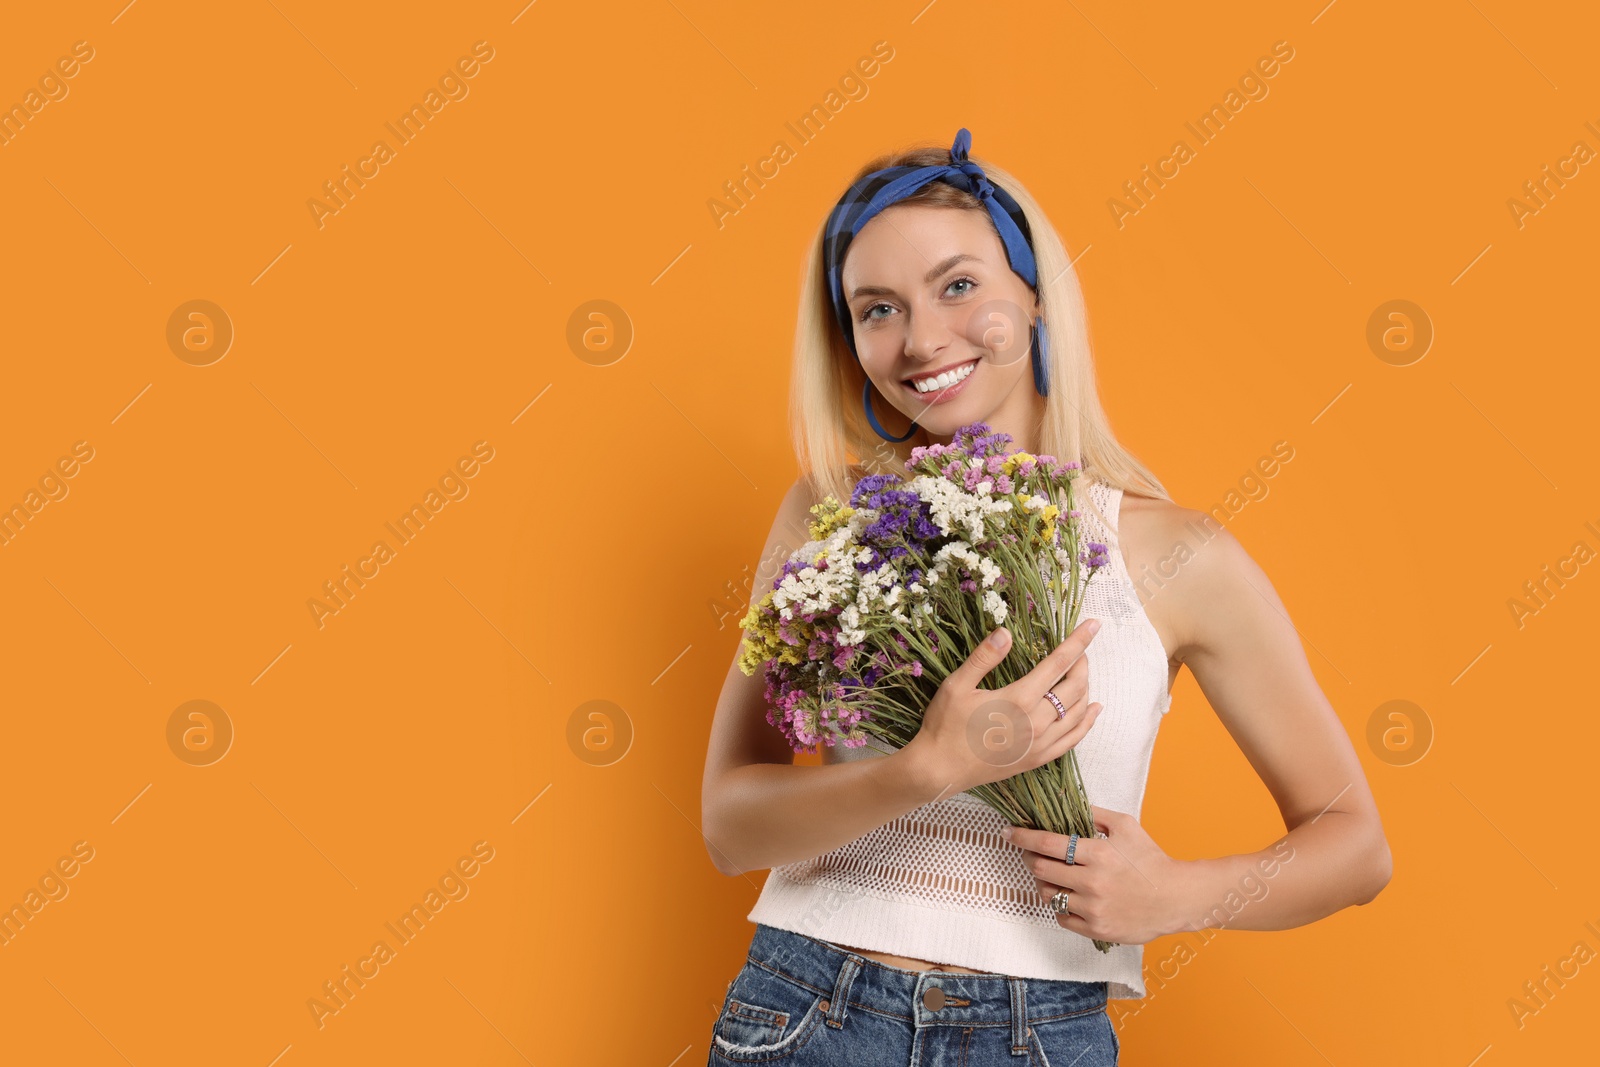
[602, 553]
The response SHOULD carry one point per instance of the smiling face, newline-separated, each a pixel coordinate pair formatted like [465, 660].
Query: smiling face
[942, 321]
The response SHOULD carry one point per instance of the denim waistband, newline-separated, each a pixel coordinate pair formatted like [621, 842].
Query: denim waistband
[920, 998]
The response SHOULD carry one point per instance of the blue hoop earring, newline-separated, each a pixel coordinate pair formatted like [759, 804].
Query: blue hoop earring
[866, 402]
[1039, 345]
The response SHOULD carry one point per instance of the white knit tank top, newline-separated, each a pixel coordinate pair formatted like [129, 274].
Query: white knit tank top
[939, 883]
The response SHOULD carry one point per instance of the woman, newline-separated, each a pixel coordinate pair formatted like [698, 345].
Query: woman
[902, 921]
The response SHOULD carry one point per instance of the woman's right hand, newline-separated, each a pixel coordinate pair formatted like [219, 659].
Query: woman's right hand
[971, 736]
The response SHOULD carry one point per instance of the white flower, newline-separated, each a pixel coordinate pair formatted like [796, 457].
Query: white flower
[952, 507]
[955, 550]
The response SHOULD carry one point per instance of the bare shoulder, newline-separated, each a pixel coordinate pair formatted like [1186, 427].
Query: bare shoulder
[791, 523]
[1185, 568]
[791, 527]
[1149, 519]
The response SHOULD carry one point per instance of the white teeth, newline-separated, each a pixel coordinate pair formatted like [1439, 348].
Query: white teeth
[943, 381]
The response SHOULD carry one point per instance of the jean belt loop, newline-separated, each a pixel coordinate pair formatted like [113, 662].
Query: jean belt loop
[1019, 1016]
[841, 989]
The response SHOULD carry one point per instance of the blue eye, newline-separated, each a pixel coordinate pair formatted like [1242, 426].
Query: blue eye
[866, 312]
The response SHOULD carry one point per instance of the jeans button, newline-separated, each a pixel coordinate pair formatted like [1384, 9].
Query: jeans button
[933, 999]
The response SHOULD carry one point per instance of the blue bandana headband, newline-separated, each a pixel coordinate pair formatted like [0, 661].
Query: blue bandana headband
[865, 199]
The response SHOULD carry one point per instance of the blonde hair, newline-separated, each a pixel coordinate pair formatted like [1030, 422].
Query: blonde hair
[831, 435]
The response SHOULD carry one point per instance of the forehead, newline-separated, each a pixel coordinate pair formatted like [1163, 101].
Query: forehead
[901, 242]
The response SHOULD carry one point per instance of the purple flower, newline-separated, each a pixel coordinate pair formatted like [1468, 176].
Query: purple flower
[904, 523]
[870, 485]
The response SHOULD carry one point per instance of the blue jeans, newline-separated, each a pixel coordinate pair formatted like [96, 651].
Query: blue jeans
[808, 1003]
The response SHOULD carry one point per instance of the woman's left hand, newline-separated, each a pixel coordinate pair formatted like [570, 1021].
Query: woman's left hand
[1124, 888]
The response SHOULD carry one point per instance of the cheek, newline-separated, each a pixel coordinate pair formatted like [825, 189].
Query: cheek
[1000, 327]
[879, 360]
[879, 346]
[1001, 372]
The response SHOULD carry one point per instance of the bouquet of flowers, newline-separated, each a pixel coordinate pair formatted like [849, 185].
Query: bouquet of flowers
[896, 588]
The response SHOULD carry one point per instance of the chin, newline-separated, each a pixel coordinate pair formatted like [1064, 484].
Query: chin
[946, 419]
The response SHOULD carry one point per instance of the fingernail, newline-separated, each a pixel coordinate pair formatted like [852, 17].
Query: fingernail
[1006, 833]
[1094, 626]
[998, 638]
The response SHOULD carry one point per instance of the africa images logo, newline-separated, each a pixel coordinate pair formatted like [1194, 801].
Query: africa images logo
[338, 992]
[452, 485]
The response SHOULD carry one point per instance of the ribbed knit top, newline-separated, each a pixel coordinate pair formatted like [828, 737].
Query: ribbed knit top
[939, 883]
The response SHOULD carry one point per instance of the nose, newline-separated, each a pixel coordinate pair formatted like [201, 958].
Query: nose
[927, 334]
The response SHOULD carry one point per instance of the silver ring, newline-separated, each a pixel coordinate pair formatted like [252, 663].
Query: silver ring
[1061, 709]
[1072, 847]
[1060, 902]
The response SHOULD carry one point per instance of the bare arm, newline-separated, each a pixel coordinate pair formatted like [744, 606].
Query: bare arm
[1247, 658]
[769, 811]
[1232, 631]
[758, 808]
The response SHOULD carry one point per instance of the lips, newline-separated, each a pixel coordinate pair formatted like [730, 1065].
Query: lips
[947, 368]
[941, 395]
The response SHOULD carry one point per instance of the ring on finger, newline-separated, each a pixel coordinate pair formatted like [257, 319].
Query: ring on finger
[1061, 709]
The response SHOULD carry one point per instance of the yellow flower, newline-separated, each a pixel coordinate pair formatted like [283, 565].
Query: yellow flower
[830, 516]
[1010, 463]
[754, 614]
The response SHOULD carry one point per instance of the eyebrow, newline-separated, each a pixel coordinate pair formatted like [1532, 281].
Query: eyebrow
[878, 290]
